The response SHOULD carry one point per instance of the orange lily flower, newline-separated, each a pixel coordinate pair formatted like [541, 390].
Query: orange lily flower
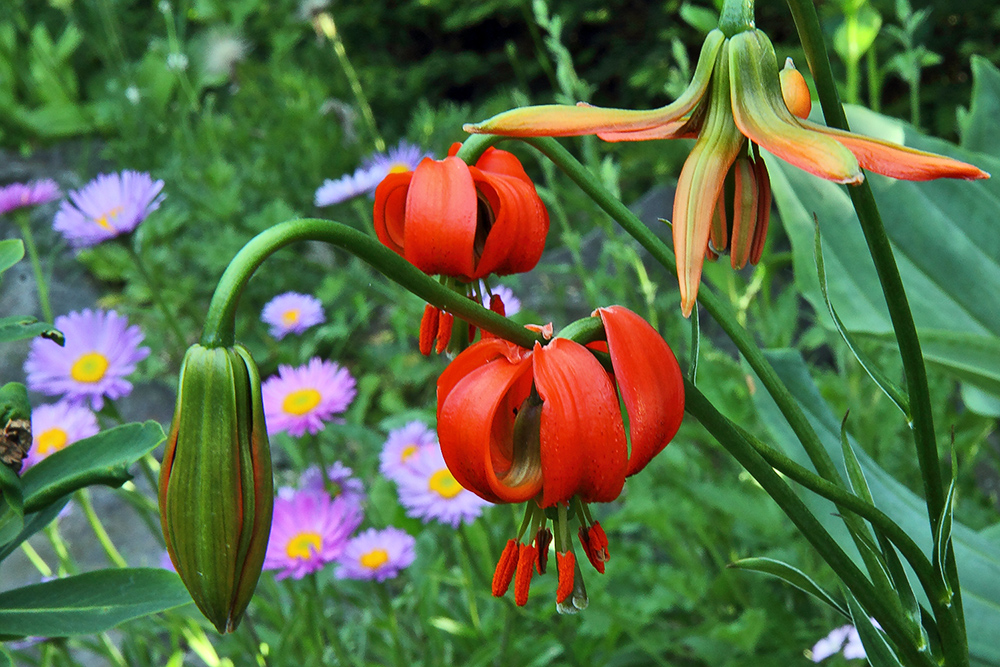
[734, 99]
[544, 425]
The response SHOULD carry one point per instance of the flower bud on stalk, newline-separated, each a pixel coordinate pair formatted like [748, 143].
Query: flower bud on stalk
[216, 491]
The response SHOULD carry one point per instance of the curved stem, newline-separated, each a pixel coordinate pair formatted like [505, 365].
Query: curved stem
[921, 416]
[114, 556]
[36, 266]
[220, 322]
[732, 439]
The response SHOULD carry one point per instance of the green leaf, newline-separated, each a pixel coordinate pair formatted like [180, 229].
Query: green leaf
[942, 536]
[980, 130]
[33, 522]
[11, 252]
[790, 575]
[855, 475]
[977, 556]
[945, 242]
[894, 393]
[20, 327]
[89, 603]
[11, 505]
[100, 459]
[900, 581]
[877, 650]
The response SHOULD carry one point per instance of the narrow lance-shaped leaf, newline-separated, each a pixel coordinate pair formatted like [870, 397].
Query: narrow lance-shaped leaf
[33, 523]
[895, 394]
[942, 536]
[791, 575]
[695, 348]
[877, 650]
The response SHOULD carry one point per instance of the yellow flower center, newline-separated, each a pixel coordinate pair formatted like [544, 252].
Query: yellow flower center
[399, 168]
[290, 316]
[303, 545]
[375, 559]
[444, 484]
[52, 441]
[103, 220]
[302, 401]
[407, 452]
[90, 367]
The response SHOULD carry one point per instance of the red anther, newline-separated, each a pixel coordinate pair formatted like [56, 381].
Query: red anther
[428, 329]
[505, 569]
[600, 542]
[590, 548]
[566, 565]
[445, 323]
[542, 541]
[526, 557]
[496, 305]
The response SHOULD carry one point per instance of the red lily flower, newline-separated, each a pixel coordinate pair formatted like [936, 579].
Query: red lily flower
[545, 425]
[734, 99]
[451, 219]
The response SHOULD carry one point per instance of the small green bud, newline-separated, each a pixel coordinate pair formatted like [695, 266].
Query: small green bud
[216, 491]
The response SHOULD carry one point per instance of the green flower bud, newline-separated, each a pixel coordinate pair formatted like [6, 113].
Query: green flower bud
[216, 490]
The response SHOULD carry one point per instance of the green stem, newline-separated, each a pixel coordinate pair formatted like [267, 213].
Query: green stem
[156, 292]
[83, 497]
[36, 560]
[324, 23]
[36, 265]
[732, 439]
[921, 416]
[220, 321]
[390, 612]
[736, 17]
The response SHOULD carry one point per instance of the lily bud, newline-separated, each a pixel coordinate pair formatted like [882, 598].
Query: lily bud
[216, 491]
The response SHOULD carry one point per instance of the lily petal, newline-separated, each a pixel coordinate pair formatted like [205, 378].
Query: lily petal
[478, 394]
[390, 209]
[649, 379]
[583, 442]
[441, 215]
[895, 161]
[761, 114]
[515, 242]
[700, 184]
[745, 207]
[557, 120]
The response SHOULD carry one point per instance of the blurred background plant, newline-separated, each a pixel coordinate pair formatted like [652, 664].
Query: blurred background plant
[244, 108]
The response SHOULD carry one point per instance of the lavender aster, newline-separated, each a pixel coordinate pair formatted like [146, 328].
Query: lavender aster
[399, 453]
[299, 400]
[341, 482]
[347, 187]
[109, 205]
[292, 312]
[432, 492]
[404, 156]
[308, 530]
[55, 426]
[844, 640]
[101, 350]
[377, 554]
[19, 195]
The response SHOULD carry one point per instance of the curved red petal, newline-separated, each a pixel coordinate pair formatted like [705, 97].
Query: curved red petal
[497, 161]
[441, 212]
[516, 240]
[650, 381]
[583, 439]
[390, 209]
[476, 403]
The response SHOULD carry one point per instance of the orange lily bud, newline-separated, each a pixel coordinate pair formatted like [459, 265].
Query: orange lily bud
[794, 90]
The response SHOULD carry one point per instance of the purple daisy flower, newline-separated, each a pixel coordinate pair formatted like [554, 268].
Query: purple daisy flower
[19, 195]
[101, 350]
[292, 312]
[341, 479]
[404, 156]
[377, 554]
[300, 399]
[308, 530]
[401, 449]
[432, 492]
[55, 426]
[109, 205]
[348, 186]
